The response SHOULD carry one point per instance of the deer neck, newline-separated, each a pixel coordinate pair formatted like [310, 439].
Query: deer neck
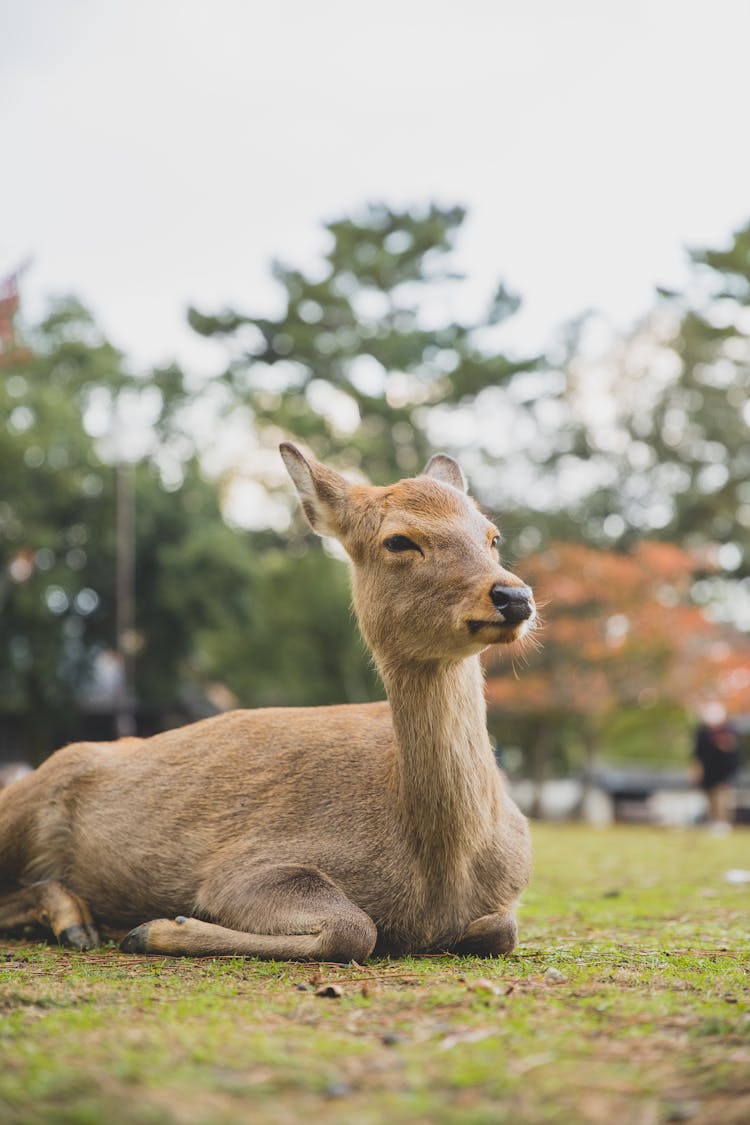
[445, 779]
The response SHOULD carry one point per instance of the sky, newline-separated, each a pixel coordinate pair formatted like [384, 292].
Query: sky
[159, 153]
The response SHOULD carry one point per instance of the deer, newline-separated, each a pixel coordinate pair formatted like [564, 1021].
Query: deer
[326, 833]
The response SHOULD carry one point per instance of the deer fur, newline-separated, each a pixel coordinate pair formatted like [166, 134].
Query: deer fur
[317, 832]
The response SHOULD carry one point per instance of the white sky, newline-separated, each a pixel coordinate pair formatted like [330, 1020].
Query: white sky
[157, 153]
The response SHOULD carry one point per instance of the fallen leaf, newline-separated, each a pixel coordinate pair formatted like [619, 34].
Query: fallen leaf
[460, 1037]
[531, 1062]
[483, 986]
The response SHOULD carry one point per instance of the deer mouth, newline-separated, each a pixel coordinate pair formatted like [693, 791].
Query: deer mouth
[509, 630]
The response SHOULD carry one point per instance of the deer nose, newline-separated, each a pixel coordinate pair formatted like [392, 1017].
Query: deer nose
[514, 602]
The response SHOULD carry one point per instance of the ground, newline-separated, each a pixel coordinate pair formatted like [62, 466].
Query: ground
[627, 1002]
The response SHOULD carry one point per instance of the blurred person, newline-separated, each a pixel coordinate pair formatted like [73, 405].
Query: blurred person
[715, 763]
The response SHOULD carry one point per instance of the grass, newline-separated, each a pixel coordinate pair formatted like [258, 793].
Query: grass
[628, 1001]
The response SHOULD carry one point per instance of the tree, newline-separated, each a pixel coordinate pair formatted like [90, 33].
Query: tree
[57, 534]
[675, 449]
[364, 346]
[621, 636]
[700, 431]
[55, 494]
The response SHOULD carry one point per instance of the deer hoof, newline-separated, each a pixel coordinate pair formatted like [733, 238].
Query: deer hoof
[79, 937]
[489, 936]
[137, 940]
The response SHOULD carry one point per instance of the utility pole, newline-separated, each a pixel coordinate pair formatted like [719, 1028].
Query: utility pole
[125, 596]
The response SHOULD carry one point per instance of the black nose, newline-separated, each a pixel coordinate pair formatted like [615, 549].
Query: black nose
[514, 602]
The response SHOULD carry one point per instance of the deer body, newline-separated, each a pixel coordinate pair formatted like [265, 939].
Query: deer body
[307, 832]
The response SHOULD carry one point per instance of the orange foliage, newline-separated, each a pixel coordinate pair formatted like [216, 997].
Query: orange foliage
[619, 630]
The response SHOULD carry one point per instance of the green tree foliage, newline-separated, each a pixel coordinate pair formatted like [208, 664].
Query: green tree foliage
[676, 462]
[300, 645]
[57, 535]
[701, 427]
[54, 493]
[363, 345]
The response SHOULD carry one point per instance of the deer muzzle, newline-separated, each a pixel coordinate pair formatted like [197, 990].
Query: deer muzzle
[514, 603]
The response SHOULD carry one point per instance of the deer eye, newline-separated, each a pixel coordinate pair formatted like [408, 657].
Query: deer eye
[397, 543]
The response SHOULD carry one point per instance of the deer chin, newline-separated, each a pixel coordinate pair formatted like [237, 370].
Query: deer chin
[497, 632]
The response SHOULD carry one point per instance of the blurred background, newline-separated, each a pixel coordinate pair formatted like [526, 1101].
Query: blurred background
[520, 234]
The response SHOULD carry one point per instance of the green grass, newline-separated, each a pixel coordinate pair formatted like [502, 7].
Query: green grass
[650, 1022]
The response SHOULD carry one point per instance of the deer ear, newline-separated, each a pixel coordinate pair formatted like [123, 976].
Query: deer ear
[447, 470]
[323, 493]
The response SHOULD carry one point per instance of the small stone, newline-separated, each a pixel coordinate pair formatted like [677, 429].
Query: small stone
[392, 1039]
[681, 1111]
[553, 976]
[338, 1090]
[304, 987]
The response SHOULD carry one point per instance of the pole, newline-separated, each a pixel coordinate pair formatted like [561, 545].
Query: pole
[125, 596]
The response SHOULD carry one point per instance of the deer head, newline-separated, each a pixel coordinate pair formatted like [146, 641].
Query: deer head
[427, 581]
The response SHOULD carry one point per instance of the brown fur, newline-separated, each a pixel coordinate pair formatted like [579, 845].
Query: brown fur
[305, 832]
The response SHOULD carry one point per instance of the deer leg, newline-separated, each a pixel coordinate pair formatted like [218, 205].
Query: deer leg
[489, 936]
[285, 913]
[50, 905]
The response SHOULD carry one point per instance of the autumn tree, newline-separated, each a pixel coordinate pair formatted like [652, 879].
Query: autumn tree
[621, 637]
